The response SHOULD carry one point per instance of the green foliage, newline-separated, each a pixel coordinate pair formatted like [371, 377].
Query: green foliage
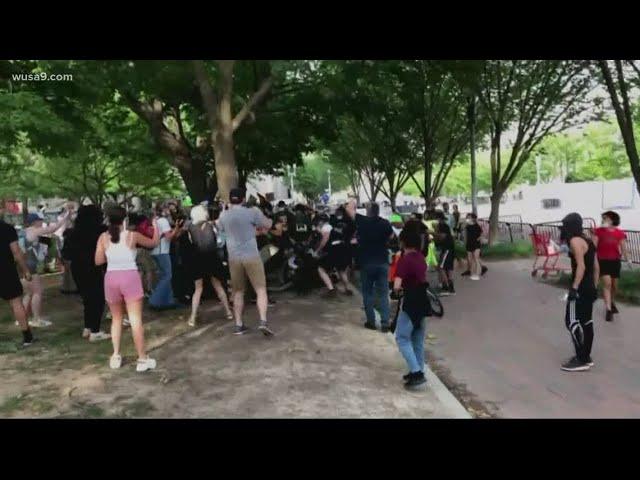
[312, 179]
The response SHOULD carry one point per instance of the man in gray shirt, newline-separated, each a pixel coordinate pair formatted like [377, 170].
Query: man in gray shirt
[238, 225]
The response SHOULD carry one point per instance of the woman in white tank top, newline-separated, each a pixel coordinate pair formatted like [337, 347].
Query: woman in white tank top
[122, 284]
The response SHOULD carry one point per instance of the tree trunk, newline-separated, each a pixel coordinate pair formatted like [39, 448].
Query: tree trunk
[472, 150]
[494, 216]
[25, 209]
[222, 136]
[194, 177]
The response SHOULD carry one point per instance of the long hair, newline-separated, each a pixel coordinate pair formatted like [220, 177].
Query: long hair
[116, 217]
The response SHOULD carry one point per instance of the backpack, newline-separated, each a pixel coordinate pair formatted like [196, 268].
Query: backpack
[203, 237]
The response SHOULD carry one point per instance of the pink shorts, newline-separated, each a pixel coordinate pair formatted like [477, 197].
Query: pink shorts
[122, 285]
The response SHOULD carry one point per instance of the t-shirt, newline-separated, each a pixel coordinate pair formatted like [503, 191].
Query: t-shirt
[473, 234]
[412, 269]
[447, 242]
[373, 235]
[8, 235]
[165, 244]
[609, 243]
[239, 225]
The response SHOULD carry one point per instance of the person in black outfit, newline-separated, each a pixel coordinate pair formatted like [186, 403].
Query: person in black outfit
[79, 249]
[585, 273]
[444, 240]
[10, 285]
[473, 234]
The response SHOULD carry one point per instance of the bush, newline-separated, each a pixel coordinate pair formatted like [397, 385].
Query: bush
[500, 251]
[628, 285]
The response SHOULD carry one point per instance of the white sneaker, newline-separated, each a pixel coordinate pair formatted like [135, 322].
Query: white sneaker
[191, 322]
[145, 364]
[40, 322]
[96, 337]
[126, 322]
[115, 361]
[474, 277]
[86, 333]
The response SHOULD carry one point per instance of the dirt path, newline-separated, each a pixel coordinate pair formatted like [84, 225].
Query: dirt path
[322, 363]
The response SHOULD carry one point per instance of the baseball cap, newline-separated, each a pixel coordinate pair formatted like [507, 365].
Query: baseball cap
[236, 195]
[33, 217]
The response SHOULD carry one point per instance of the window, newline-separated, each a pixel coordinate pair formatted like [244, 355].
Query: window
[549, 203]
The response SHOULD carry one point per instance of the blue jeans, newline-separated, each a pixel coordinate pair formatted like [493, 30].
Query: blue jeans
[410, 342]
[162, 295]
[374, 279]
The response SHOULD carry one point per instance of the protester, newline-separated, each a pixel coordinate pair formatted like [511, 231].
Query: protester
[239, 224]
[122, 285]
[146, 266]
[11, 256]
[449, 218]
[36, 254]
[68, 285]
[473, 236]
[162, 295]
[585, 273]
[203, 261]
[373, 234]
[456, 221]
[410, 328]
[610, 242]
[79, 250]
[444, 240]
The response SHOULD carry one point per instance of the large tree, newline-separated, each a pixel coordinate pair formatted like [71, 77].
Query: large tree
[530, 99]
[619, 82]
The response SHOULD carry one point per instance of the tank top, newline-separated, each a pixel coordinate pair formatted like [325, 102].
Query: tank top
[587, 283]
[119, 256]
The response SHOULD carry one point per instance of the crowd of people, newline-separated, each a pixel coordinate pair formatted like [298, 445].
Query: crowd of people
[174, 257]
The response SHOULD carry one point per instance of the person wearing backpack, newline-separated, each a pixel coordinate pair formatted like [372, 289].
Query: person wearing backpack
[204, 261]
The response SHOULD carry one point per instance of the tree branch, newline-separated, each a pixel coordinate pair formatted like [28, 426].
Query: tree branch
[252, 103]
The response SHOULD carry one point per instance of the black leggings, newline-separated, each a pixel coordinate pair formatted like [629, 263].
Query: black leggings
[90, 282]
[578, 319]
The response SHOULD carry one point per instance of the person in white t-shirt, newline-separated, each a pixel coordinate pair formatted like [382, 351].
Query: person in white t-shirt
[162, 295]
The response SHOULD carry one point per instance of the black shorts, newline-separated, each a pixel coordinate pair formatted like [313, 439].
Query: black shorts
[610, 267]
[472, 247]
[10, 286]
[445, 262]
[338, 257]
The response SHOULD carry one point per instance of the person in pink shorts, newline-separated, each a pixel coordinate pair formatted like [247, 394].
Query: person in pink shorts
[122, 284]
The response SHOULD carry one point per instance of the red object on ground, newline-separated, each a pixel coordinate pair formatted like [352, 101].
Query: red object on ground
[542, 248]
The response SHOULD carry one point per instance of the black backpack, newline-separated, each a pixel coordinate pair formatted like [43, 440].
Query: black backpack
[203, 237]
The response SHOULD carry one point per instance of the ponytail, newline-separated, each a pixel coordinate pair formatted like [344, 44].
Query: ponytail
[116, 218]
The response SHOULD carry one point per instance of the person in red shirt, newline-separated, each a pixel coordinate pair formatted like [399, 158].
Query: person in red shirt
[610, 243]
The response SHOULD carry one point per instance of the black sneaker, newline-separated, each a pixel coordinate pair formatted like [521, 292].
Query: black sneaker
[415, 380]
[370, 326]
[444, 291]
[348, 292]
[614, 309]
[609, 316]
[384, 328]
[406, 377]
[266, 331]
[575, 365]
[466, 273]
[27, 338]
[240, 330]
[484, 270]
[452, 291]
[590, 361]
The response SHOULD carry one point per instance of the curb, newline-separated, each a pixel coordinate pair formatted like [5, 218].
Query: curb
[441, 392]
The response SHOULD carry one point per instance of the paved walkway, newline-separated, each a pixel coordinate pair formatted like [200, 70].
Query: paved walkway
[504, 338]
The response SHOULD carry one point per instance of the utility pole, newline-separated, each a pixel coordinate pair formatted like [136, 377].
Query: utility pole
[329, 174]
